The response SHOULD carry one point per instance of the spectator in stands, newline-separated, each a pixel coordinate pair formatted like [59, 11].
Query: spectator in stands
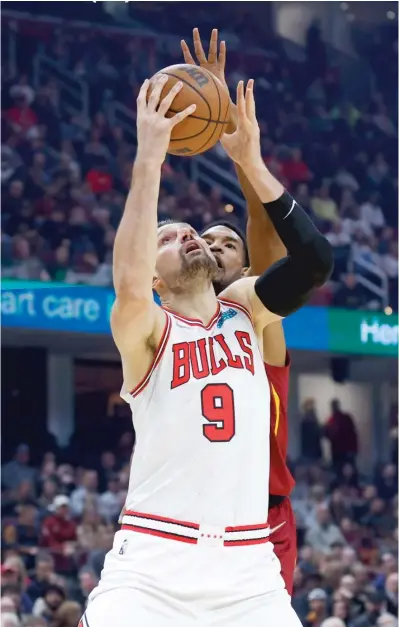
[10, 620]
[88, 580]
[311, 433]
[67, 615]
[333, 622]
[387, 620]
[26, 534]
[323, 533]
[22, 603]
[318, 611]
[46, 607]
[295, 169]
[337, 236]
[375, 606]
[58, 534]
[42, 576]
[111, 501]
[21, 116]
[15, 472]
[391, 593]
[48, 492]
[341, 432]
[87, 489]
[371, 211]
[107, 468]
[387, 482]
[323, 206]
[379, 518]
[350, 294]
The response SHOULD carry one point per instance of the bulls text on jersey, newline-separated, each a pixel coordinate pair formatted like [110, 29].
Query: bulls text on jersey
[198, 358]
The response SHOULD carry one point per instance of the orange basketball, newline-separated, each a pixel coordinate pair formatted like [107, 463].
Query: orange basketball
[200, 131]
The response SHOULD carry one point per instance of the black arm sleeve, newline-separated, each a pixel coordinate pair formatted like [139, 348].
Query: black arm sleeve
[287, 284]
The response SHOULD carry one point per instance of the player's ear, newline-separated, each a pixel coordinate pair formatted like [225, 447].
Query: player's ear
[246, 271]
[155, 281]
[158, 285]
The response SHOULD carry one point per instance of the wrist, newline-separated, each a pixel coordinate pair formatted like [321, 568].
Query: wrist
[144, 162]
[266, 186]
[253, 165]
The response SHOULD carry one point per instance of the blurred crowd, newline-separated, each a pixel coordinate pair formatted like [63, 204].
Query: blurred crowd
[65, 175]
[59, 516]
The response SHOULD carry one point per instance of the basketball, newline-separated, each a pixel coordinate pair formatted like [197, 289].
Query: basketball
[200, 131]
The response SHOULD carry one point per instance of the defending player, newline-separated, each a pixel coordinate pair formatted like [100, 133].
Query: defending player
[194, 546]
[265, 248]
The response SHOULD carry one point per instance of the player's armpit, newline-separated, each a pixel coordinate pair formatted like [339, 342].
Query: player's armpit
[137, 328]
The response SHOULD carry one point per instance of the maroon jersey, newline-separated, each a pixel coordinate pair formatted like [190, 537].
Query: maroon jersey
[281, 480]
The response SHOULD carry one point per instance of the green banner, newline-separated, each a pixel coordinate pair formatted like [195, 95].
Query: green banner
[362, 332]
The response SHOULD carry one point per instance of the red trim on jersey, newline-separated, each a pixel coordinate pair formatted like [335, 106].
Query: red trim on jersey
[129, 512]
[193, 321]
[160, 534]
[248, 527]
[232, 303]
[246, 542]
[157, 357]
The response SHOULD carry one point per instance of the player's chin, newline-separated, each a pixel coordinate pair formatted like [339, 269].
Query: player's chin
[220, 275]
[201, 263]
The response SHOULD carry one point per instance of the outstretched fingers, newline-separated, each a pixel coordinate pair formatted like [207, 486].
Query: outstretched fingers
[169, 98]
[188, 57]
[199, 50]
[155, 96]
[182, 115]
[250, 108]
[241, 103]
[222, 55]
[213, 47]
[142, 97]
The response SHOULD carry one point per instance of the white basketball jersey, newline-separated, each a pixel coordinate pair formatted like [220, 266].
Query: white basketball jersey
[202, 422]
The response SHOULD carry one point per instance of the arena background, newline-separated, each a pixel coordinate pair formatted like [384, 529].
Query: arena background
[326, 88]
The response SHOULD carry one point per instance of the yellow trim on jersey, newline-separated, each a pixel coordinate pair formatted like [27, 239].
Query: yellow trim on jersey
[276, 400]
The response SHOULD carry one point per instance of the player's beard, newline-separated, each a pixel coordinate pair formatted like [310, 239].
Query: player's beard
[197, 268]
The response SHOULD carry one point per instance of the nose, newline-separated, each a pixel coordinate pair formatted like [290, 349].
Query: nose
[215, 247]
[185, 235]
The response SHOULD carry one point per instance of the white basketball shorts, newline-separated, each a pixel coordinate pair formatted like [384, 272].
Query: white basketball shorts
[153, 580]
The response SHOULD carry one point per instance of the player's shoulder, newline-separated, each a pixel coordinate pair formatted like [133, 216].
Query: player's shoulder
[237, 296]
[239, 292]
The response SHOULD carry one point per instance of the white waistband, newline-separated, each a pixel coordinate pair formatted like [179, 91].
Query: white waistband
[194, 533]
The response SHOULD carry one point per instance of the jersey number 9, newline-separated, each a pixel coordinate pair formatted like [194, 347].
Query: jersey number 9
[217, 405]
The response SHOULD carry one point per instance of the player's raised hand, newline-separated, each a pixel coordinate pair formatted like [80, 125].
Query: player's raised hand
[153, 128]
[215, 61]
[243, 146]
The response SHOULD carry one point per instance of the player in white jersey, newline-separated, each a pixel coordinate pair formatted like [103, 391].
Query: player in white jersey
[194, 545]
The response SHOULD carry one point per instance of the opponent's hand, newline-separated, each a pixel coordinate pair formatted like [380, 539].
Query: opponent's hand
[214, 62]
[153, 128]
[243, 146]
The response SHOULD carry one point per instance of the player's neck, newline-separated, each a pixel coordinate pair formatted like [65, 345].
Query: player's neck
[200, 305]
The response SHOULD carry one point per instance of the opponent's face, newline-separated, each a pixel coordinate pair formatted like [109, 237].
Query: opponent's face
[183, 259]
[228, 249]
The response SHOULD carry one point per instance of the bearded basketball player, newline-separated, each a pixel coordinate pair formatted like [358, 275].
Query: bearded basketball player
[194, 545]
[230, 251]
